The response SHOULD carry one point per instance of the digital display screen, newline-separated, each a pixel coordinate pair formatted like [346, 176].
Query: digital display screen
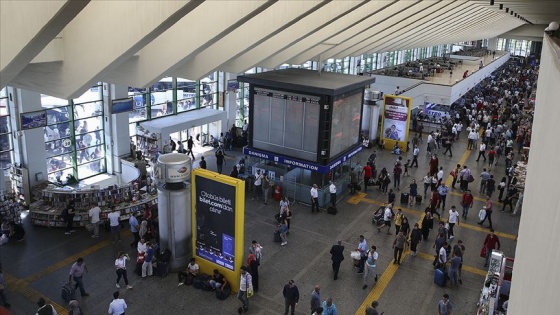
[122, 106]
[215, 221]
[346, 121]
[286, 123]
[33, 120]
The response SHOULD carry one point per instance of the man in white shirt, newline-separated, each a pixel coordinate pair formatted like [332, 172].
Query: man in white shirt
[332, 190]
[473, 136]
[387, 217]
[453, 219]
[245, 285]
[442, 255]
[115, 224]
[94, 215]
[314, 199]
[258, 185]
[440, 175]
[191, 272]
[118, 306]
[482, 151]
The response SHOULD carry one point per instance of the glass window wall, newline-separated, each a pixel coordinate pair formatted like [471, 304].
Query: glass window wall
[74, 135]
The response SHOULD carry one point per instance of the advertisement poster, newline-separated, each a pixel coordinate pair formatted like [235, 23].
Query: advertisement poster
[215, 221]
[396, 118]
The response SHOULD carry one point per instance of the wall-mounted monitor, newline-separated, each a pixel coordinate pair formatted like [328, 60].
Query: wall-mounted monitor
[122, 105]
[34, 120]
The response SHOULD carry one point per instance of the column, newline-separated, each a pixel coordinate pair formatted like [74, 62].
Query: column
[492, 43]
[29, 145]
[117, 138]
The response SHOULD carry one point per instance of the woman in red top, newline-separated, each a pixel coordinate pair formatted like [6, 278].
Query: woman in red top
[467, 203]
[367, 175]
[434, 202]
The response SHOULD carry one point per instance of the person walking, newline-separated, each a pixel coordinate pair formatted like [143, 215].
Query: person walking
[362, 248]
[120, 265]
[291, 297]
[398, 247]
[68, 215]
[413, 192]
[455, 175]
[283, 226]
[329, 308]
[467, 203]
[190, 144]
[337, 257]
[492, 241]
[415, 153]
[454, 264]
[481, 151]
[94, 219]
[220, 160]
[465, 175]
[253, 268]
[245, 288]
[314, 198]
[114, 217]
[117, 306]
[77, 273]
[453, 219]
[397, 171]
[415, 238]
[367, 175]
[315, 302]
[134, 229]
[488, 206]
[47, 309]
[442, 190]
[387, 216]
[371, 265]
[147, 269]
[2, 289]
[427, 180]
[372, 310]
[444, 305]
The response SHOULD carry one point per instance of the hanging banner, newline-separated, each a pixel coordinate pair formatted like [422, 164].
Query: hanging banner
[396, 120]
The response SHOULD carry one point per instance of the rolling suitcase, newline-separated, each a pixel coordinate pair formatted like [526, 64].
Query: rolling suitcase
[404, 198]
[439, 277]
[277, 238]
[418, 199]
[68, 293]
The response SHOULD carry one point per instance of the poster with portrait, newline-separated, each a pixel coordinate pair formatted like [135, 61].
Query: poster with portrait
[396, 120]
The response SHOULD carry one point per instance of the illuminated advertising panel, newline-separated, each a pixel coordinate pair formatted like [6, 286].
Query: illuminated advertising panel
[396, 120]
[218, 216]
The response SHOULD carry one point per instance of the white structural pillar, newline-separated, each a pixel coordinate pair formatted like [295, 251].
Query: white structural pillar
[117, 138]
[492, 43]
[370, 113]
[174, 207]
[29, 145]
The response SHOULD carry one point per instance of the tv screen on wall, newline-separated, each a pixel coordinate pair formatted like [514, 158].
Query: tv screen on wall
[33, 120]
[122, 105]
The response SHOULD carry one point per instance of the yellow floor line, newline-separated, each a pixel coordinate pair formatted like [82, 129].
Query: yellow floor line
[23, 288]
[380, 286]
[71, 259]
[465, 268]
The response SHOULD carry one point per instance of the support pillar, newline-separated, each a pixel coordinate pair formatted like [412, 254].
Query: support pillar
[174, 207]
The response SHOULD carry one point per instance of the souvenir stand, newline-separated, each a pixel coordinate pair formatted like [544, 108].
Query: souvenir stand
[497, 285]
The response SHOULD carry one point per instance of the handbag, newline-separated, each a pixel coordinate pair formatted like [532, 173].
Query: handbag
[89, 227]
[483, 252]
[250, 293]
[470, 179]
